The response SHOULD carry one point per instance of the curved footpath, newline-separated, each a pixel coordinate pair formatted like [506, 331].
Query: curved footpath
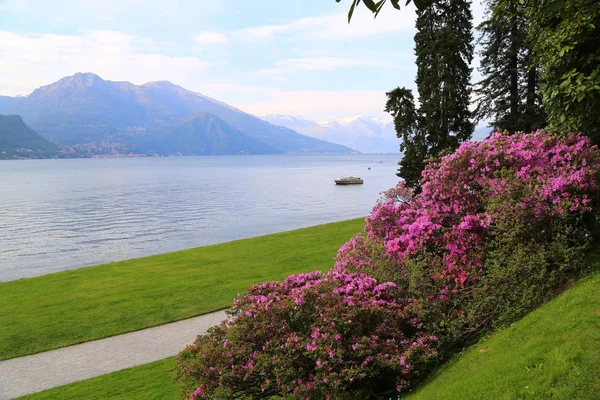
[37, 372]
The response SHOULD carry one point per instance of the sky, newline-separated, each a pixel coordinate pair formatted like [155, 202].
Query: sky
[297, 57]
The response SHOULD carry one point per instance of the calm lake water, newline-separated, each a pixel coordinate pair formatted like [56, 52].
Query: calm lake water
[64, 214]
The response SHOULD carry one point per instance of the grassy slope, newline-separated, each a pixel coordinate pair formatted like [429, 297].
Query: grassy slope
[75, 306]
[552, 353]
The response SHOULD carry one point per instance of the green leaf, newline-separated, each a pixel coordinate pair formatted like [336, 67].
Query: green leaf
[370, 5]
[354, 3]
[420, 4]
[379, 6]
[395, 4]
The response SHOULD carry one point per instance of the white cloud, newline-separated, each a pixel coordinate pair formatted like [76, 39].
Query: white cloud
[318, 103]
[211, 38]
[478, 10]
[77, 13]
[396, 60]
[28, 62]
[269, 71]
[222, 88]
[262, 32]
[329, 63]
[311, 103]
[336, 27]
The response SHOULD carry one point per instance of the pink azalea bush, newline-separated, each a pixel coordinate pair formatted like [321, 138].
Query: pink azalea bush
[497, 219]
[497, 228]
[311, 336]
[521, 178]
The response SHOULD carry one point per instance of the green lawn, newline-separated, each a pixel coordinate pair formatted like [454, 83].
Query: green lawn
[152, 381]
[65, 308]
[552, 353]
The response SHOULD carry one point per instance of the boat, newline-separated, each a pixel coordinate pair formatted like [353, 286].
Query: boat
[349, 180]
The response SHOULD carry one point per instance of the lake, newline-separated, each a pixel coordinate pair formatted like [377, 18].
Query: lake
[63, 214]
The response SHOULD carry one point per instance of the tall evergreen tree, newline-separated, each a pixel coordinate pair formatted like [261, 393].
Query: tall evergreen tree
[444, 50]
[565, 35]
[401, 105]
[508, 94]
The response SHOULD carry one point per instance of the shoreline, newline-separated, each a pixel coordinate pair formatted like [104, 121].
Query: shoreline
[94, 302]
[160, 253]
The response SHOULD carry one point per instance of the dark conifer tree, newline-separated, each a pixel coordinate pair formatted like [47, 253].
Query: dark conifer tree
[508, 94]
[401, 105]
[444, 50]
[565, 36]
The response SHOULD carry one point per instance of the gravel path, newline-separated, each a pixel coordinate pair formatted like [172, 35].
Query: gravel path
[37, 372]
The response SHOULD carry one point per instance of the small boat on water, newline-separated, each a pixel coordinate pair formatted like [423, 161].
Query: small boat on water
[349, 180]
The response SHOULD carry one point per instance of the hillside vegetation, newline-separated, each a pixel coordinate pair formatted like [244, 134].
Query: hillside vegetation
[18, 140]
[552, 353]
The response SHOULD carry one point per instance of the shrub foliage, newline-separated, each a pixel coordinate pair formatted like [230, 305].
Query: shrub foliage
[499, 226]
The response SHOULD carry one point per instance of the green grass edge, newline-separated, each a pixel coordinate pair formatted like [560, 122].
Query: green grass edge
[90, 303]
[551, 353]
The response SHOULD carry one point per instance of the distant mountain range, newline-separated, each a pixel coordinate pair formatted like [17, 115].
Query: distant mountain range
[365, 134]
[17, 140]
[98, 117]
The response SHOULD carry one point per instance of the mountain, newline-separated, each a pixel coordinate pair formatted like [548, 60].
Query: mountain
[203, 134]
[376, 135]
[365, 134]
[91, 114]
[17, 140]
[6, 101]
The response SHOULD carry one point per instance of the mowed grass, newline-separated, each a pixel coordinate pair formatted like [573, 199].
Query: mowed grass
[70, 307]
[152, 381]
[552, 353]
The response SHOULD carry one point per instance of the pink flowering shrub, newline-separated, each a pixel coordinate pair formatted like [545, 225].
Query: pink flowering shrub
[311, 336]
[518, 178]
[498, 227]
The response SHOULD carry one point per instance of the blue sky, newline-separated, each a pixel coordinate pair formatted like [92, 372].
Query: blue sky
[296, 57]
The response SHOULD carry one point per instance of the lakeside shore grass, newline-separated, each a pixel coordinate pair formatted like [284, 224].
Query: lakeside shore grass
[69, 307]
[553, 352]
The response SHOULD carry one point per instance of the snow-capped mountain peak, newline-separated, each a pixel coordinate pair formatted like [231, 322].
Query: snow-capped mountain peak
[359, 132]
[354, 119]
